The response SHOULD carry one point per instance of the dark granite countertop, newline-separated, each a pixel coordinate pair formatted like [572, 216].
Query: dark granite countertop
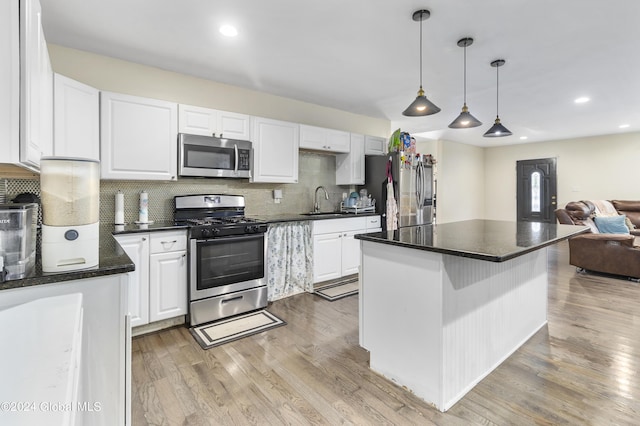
[491, 240]
[130, 228]
[112, 260]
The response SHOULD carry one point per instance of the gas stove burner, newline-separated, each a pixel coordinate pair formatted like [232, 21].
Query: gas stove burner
[210, 216]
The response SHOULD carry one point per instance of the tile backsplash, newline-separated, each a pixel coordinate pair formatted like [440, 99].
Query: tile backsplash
[315, 169]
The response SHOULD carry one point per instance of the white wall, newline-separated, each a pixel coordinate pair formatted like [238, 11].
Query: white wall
[598, 167]
[460, 182]
[106, 73]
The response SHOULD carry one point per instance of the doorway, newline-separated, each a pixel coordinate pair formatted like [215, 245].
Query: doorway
[536, 190]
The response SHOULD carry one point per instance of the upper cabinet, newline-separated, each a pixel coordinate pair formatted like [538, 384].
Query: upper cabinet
[350, 167]
[275, 151]
[36, 101]
[375, 145]
[209, 122]
[321, 139]
[139, 138]
[76, 119]
[26, 78]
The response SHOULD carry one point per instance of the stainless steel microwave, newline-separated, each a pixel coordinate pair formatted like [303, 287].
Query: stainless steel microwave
[209, 156]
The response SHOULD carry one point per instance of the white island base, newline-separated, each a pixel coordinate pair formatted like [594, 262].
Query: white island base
[437, 324]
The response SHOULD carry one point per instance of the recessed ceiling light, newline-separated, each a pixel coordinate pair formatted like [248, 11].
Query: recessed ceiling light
[228, 31]
[623, 126]
[582, 100]
[522, 138]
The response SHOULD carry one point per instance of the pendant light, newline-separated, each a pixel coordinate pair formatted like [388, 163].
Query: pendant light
[497, 130]
[465, 119]
[421, 106]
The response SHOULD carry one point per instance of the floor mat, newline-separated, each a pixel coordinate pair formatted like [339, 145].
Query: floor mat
[339, 290]
[217, 333]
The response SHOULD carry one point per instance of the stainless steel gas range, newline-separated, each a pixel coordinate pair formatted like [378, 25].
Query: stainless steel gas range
[226, 256]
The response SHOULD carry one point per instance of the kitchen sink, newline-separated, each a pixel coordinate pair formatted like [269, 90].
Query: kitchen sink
[325, 214]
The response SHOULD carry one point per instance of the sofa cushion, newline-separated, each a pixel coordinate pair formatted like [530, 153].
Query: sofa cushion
[611, 224]
[629, 208]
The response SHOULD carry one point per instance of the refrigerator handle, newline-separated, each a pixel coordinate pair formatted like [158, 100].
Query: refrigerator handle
[419, 184]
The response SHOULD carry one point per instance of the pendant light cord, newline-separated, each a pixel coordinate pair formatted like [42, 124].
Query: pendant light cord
[497, 89]
[465, 73]
[421, 13]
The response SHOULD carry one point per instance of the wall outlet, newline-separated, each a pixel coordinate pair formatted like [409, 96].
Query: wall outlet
[344, 196]
[277, 195]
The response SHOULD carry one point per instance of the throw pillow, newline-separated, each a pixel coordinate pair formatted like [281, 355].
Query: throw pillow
[611, 224]
[629, 224]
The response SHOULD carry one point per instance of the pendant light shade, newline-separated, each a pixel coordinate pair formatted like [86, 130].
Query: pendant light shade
[421, 105]
[465, 119]
[497, 130]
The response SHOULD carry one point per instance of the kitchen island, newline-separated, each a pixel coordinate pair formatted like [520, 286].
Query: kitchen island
[441, 306]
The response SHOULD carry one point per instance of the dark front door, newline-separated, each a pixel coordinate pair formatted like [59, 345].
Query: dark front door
[536, 193]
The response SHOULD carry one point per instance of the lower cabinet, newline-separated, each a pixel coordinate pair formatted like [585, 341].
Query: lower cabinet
[336, 253]
[158, 286]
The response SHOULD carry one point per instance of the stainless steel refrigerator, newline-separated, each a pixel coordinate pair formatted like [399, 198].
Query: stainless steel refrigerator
[412, 184]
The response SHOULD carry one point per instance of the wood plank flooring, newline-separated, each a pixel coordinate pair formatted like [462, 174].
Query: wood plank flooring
[581, 369]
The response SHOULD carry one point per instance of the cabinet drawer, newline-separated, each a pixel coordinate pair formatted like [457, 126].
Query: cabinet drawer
[326, 226]
[162, 242]
[373, 222]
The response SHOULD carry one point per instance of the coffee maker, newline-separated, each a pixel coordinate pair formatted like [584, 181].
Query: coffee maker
[18, 225]
[70, 194]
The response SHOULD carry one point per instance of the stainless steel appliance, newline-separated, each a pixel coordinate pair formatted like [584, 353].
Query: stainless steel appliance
[412, 182]
[209, 156]
[226, 257]
[18, 226]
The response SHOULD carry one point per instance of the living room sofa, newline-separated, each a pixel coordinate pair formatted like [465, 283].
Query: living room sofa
[610, 253]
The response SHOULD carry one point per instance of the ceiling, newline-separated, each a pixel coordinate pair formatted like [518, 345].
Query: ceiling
[362, 56]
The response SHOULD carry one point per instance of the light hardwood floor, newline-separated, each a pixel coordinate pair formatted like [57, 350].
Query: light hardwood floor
[581, 369]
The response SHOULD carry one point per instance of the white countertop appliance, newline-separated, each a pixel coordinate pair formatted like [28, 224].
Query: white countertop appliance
[18, 224]
[70, 194]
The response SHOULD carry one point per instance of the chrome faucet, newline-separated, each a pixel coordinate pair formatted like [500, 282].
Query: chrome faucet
[316, 206]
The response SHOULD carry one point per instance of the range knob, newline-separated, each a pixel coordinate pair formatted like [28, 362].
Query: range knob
[206, 232]
[251, 228]
[215, 231]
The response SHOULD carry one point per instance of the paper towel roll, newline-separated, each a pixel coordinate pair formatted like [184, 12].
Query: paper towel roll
[143, 216]
[119, 215]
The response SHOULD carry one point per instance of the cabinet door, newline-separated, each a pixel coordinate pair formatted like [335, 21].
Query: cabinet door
[322, 139]
[76, 119]
[137, 248]
[350, 253]
[9, 82]
[167, 285]
[233, 125]
[275, 151]
[197, 120]
[374, 145]
[138, 138]
[327, 257]
[350, 167]
[36, 118]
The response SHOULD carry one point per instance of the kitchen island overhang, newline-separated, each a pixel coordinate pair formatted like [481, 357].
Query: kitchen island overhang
[441, 306]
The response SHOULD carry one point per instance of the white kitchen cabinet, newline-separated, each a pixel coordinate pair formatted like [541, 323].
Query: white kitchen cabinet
[137, 248]
[36, 89]
[336, 253]
[10, 82]
[275, 151]
[138, 138]
[105, 365]
[375, 145]
[197, 120]
[321, 139]
[158, 286]
[26, 104]
[76, 119]
[167, 275]
[350, 167]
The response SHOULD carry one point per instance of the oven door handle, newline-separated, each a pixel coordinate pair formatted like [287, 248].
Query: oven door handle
[232, 299]
[235, 148]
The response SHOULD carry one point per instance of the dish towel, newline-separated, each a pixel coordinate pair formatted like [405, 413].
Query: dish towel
[392, 207]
